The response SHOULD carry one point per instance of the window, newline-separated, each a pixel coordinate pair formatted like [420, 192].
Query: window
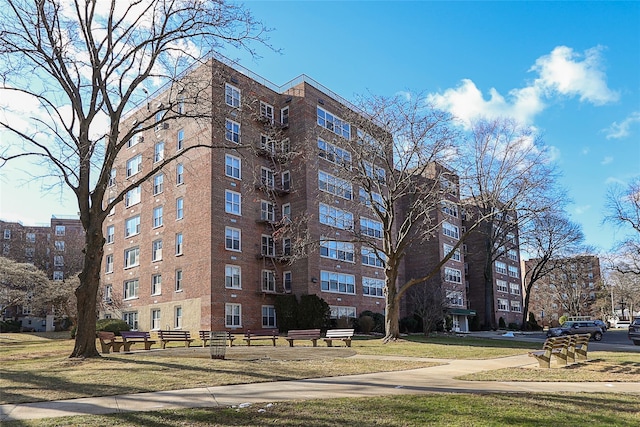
[158, 184]
[177, 322]
[232, 277]
[232, 132]
[179, 174]
[267, 177]
[112, 178]
[159, 117]
[515, 288]
[515, 306]
[512, 254]
[268, 247]
[286, 211]
[157, 216]
[131, 257]
[180, 108]
[370, 227]
[132, 197]
[178, 244]
[7, 234]
[333, 153]
[58, 275]
[267, 144]
[113, 209]
[374, 172]
[179, 208]
[59, 245]
[134, 165]
[268, 281]
[511, 238]
[108, 294]
[450, 209]
[233, 315]
[455, 298]
[337, 282]
[339, 312]
[503, 304]
[286, 246]
[372, 287]
[132, 319]
[178, 281]
[456, 255]
[232, 202]
[333, 123]
[180, 141]
[286, 281]
[267, 212]
[268, 316]
[513, 271]
[29, 252]
[158, 152]
[452, 275]
[284, 116]
[501, 285]
[231, 95]
[155, 319]
[501, 267]
[60, 230]
[337, 186]
[232, 239]
[131, 289]
[156, 284]
[266, 111]
[58, 261]
[335, 217]
[111, 229]
[108, 263]
[156, 250]
[341, 251]
[286, 180]
[132, 226]
[450, 230]
[369, 257]
[232, 166]
[367, 197]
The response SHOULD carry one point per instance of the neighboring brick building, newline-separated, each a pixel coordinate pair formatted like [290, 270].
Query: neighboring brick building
[570, 290]
[55, 248]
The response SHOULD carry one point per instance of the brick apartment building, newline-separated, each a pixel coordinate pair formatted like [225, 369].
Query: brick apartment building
[55, 248]
[570, 290]
[207, 244]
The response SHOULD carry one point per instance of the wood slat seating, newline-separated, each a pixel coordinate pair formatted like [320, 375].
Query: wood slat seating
[176, 336]
[206, 336]
[338, 334]
[581, 346]
[264, 334]
[132, 337]
[553, 347]
[303, 334]
[109, 341]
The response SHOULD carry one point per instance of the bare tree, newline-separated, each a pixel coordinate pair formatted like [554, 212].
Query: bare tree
[506, 178]
[550, 237]
[19, 282]
[573, 288]
[85, 64]
[429, 303]
[625, 292]
[624, 210]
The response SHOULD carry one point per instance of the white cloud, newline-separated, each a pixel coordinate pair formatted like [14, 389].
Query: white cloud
[585, 151]
[606, 160]
[579, 210]
[553, 154]
[621, 130]
[560, 73]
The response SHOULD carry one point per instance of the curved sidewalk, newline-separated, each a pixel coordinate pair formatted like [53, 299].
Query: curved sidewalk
[436, 379]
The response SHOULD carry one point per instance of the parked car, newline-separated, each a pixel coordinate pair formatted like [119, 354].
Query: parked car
[634, 331]
[602, 325]
[572, 328]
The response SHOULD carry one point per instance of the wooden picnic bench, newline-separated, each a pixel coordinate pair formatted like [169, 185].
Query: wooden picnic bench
[132, 337]
[581, 346]
[109, 340]
[179, 336]
[264, 334]
[557, 347]
[303, 334]
[338, 334]
[206, 336]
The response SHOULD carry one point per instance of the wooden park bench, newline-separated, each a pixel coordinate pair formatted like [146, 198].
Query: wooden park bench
[303, 334]
[264, 334]
[206, 336]
[109, 340]
[132, 337]
[556, 347]
[178, 336]
[338, 334]
[581, 346]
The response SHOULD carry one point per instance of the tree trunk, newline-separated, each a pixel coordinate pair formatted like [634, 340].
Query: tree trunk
[87, 293]
[392, 303]
[525, 312]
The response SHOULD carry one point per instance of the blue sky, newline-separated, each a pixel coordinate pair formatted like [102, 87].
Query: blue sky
[571, 69]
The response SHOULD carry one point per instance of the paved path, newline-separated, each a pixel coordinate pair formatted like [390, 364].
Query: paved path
[436, 379]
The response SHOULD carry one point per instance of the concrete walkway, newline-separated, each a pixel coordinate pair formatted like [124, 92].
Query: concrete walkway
[436, 379]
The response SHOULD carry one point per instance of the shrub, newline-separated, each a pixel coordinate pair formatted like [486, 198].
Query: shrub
[286, 312]
[410, 324]
[474, 325]
[562, 319]
[514, 326]
[10, 326]
[112, 325]
[313, 313]
[378, 320]
[366, 324]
